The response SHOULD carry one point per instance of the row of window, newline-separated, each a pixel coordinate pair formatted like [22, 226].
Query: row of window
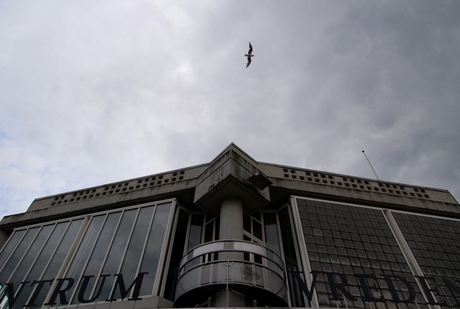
[117, 254]
[93, 258]
[346, 240]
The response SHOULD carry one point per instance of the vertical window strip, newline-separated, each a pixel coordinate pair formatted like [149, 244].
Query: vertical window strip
[415, 268]
[24, 253]
[164, 243]
[195, 231]
[28, 276]
[10, 247]
[76, 261]
[300, 244]
[177, 236]
[146, 241]
[280, 238]
[271, 232]
[91, 260]
[27, 261]
[60, 258]
[140, 231]
[114, 259]
[130, 238]
[407, 252]
[161, 271]
[84, 252]
[104, 260]
[131, 256]
[52, 254]
[66, 263]
[167, 249]
[123, 254]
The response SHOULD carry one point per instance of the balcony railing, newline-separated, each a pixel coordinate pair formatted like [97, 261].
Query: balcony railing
[232, 263]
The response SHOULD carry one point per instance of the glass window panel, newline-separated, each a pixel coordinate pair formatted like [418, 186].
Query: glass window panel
[111, 243]
[29, 258]
[85, 247]
[430, 247]
[217, 227]
[57, 259]
[208, 233]
[247, 223]
[196, 226]
[42, 260]
[102, 244]
[295, 291]
[63, 249]
[358, 252]
[117, 251]
[257, 226]
[136, 246]
[18, 254]
[9, 247]
[84, 250]
[176, 254]
[154, 245]
[271, 232]
[48, 251]
[99, 252]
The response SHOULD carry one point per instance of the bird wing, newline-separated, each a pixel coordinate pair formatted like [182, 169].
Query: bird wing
[250, 48]
[249, 61]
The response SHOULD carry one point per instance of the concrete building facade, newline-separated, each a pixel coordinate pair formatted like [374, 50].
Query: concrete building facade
[235, 232]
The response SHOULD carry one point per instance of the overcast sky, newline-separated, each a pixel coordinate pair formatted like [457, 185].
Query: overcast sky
[93, 92]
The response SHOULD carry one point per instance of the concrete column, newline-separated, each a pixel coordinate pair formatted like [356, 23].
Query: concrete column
[231, 219]
[231, 227]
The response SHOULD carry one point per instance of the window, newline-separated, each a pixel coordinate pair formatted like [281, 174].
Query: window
[252, 226]
[36, 253]
[95, 258]
[355, 245]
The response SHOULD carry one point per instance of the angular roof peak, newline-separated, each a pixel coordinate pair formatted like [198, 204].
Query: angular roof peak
[232, 147]
[228, 175]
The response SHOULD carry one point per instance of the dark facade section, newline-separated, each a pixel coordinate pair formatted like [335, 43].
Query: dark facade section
[352, 249]
[435, 244]
[85, 260]
[231, 233]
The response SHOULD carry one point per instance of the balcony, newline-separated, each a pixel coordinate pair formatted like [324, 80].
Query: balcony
[245, 267]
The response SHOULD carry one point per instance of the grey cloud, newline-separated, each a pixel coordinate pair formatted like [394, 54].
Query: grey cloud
[112, 90]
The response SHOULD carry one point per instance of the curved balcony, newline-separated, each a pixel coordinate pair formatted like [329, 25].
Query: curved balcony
[246, 267]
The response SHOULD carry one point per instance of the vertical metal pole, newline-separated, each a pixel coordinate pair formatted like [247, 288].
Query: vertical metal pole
[227, 275]
[371, 165]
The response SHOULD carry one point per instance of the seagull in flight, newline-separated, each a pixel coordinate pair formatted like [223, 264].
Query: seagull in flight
[249, 55]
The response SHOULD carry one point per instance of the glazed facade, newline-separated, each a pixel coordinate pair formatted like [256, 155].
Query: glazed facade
[235, 233]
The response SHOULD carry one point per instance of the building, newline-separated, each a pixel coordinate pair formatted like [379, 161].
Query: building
[235, 232]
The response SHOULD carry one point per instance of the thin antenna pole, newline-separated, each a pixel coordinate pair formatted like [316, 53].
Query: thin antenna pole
[371, 165]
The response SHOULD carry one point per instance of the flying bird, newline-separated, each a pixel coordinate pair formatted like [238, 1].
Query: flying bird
[249, 55]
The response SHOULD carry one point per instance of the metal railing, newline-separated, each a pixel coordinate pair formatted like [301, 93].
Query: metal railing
[232, 262]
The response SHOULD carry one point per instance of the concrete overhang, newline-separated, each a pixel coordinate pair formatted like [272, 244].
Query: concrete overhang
[231, 187]
[228, 176]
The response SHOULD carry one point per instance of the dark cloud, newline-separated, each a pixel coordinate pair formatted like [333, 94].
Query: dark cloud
[99, 92]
